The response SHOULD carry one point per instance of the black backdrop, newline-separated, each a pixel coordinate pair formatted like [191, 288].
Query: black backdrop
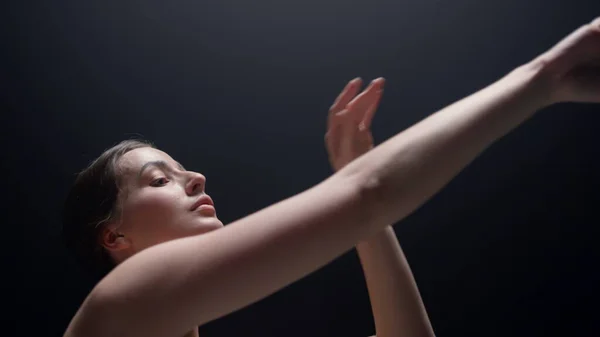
[239, 91]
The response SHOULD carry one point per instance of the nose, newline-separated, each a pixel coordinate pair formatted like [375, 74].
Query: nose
[195, 183]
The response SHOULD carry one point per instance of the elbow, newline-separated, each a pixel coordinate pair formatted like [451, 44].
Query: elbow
[374, 195]
[371, 197]
[370, 188]
[370, 191]
[383, 201]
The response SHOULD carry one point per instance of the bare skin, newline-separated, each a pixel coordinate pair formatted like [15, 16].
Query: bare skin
[397, 307]
[168, 288]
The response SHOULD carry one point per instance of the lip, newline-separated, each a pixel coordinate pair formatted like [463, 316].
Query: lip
[203, 200]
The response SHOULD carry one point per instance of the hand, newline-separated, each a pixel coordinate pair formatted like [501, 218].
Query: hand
[573, 66]
[348, 129]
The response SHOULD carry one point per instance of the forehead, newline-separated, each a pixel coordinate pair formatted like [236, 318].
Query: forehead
[132, 161]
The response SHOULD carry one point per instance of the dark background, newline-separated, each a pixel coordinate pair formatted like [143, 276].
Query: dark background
[239, 90]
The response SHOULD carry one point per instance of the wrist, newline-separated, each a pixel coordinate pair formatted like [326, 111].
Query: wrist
[539, 82]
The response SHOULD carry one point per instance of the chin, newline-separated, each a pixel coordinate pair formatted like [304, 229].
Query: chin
[208, 224]
[218, 223]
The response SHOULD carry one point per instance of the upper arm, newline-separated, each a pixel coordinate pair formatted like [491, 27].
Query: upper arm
[172, 287]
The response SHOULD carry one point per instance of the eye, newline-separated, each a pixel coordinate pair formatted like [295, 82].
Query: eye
[159, 182]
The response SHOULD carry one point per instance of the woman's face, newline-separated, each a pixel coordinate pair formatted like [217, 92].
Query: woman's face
[159, 203]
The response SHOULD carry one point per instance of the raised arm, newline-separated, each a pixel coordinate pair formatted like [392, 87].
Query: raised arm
[409, 168]
[170, 288]
[397, 307]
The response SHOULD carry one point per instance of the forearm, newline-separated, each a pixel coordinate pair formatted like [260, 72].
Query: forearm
[412, 166]
[395, 300]
[406, 170]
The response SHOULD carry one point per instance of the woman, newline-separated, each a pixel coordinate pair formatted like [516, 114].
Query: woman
[177, 267]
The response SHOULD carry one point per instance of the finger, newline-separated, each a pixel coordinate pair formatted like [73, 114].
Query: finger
[349, 91]
[370, 113]
[359, 105]
[343, 98]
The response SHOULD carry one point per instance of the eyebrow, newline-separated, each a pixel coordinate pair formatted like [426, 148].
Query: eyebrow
[159, 163]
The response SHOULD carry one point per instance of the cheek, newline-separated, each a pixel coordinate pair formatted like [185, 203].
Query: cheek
[153, 210]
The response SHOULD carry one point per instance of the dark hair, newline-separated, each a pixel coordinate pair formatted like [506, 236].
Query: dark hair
[92, 202]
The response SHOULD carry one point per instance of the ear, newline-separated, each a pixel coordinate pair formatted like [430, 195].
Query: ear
[112, 239]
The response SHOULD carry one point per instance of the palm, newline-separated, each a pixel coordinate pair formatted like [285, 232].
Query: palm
[582, 84]
[348, 131]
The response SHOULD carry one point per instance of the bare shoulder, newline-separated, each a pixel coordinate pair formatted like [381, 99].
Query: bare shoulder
[88, 321]
[168, 289]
